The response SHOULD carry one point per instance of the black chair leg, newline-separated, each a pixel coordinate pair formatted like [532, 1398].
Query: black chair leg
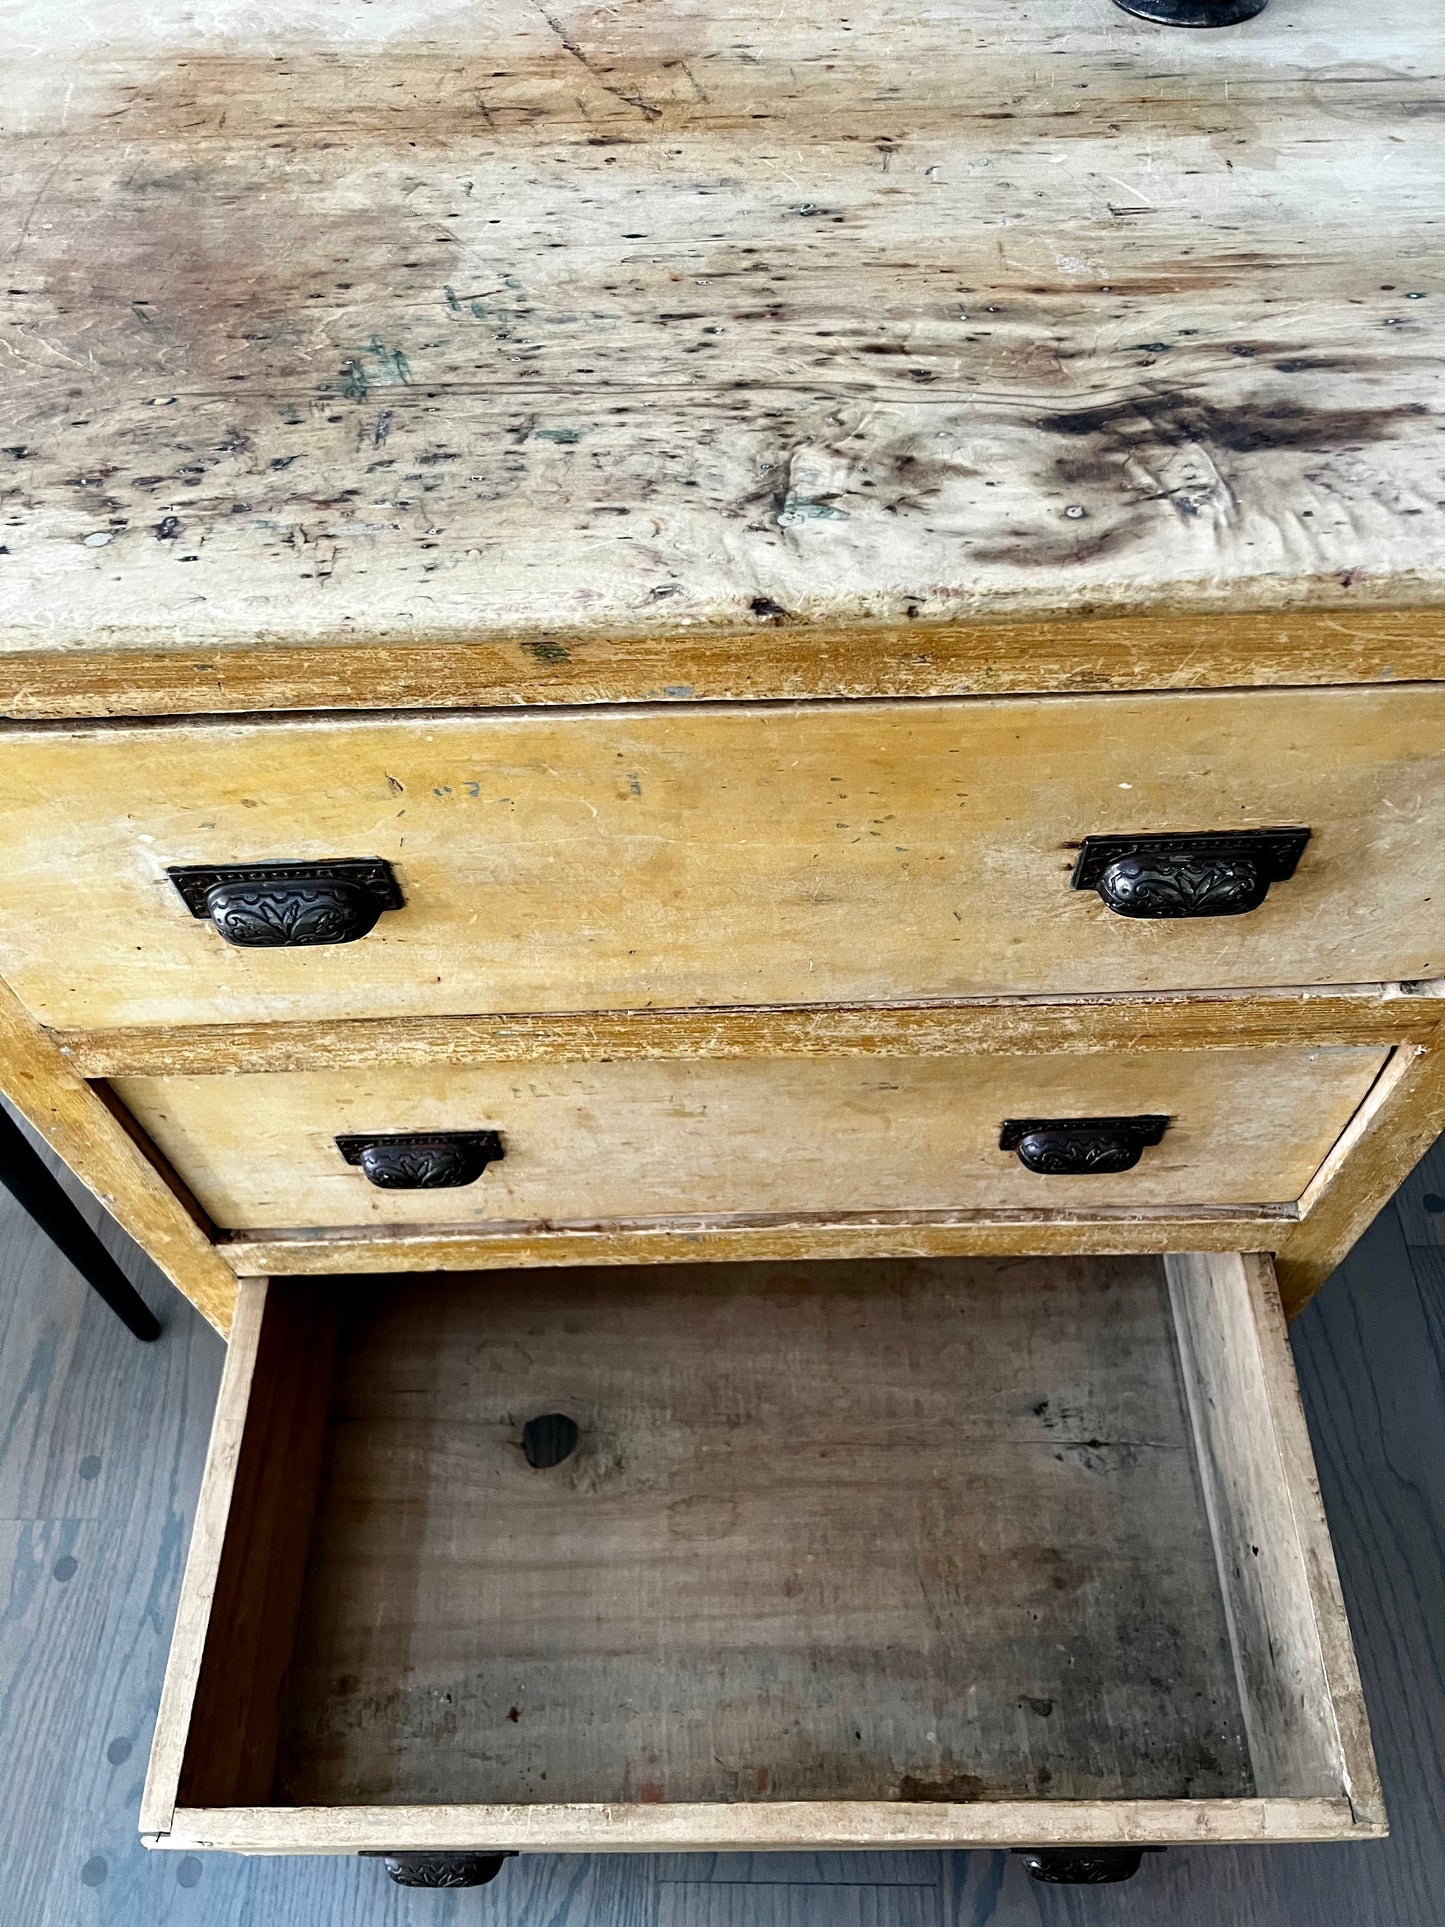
[24, 1175]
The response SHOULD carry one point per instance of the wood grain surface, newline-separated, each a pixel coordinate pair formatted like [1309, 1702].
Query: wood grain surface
[88, 1653]
[1003, 1026]
[763, 1576]
[948, 1234]
[769, 661]
[879, 1457]
[720, 855]
[100, 1147]
[588, 1143]
[414, 322]
[1298, 1682]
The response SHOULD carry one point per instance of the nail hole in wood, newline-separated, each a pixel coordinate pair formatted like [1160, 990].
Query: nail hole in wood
[549, 1439]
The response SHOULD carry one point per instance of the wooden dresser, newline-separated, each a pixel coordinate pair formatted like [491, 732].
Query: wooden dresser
[645, 646]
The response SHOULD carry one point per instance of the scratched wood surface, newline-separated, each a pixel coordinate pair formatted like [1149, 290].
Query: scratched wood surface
[592, 1142]
[100, 1457]
[416, 321]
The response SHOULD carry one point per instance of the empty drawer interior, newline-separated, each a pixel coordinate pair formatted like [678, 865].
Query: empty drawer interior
[950, 1532]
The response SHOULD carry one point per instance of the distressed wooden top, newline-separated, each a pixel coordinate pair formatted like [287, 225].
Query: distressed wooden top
[414, 321]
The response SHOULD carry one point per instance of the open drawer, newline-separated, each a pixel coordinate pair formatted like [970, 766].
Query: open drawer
[954, 1552]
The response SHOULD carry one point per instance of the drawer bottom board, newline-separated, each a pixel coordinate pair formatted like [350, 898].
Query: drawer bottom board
[898, 1536]
[879, 1536]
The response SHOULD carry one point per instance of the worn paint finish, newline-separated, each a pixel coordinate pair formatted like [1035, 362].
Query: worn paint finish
[716, 357]
[100, 1148]
[796, 1137]
[713, 856]
[1174, 1020]
[436, 324]
[1186, 649]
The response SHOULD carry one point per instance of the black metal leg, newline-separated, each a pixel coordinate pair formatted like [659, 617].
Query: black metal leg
[25, 1177]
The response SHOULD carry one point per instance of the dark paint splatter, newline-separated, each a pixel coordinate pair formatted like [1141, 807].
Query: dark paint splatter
[1178, 420]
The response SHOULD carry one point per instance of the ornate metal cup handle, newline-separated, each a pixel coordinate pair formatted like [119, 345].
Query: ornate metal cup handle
[1216, 873]
[1083, 1866]
[1080, 1146]
[285, 906]
[459, 1869]
[1194, 13]
[422, 1160]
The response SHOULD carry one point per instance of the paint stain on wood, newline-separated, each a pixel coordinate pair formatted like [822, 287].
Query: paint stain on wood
[949, 1787]
[825, 397]
[1179, 420]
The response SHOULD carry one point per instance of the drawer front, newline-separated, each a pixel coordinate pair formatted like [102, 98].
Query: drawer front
[648, 1139]
[990, 1553]
[715, 856]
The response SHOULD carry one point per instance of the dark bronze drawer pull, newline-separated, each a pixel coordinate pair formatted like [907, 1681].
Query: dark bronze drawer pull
[1083, 1866]
[1194, 13]
[1215, 873]
[283, 906]
[1074, 1147]
[440, 1869]
[422, 1160]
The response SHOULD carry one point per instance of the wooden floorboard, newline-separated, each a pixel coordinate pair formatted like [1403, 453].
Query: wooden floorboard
[101, 1443]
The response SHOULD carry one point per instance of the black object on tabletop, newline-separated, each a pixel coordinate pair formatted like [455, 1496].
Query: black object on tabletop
[24, 1175]
[1194, 13]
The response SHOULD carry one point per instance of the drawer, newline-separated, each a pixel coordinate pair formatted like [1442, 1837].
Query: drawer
[649, 1139]
[721, 855]
[963, 1552]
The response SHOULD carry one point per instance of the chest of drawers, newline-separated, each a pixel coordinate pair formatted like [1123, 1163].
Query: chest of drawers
[731, 732]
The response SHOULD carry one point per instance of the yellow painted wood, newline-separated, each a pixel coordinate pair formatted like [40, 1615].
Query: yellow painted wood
[658, 358]
[80, 1128]
[790, 1137]
[1172, 1020]
[1385, 1145]
[764, 661]
[954, 1234]
[720, 855]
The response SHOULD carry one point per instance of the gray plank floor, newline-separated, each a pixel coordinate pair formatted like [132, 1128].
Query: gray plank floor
[101, 1445]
